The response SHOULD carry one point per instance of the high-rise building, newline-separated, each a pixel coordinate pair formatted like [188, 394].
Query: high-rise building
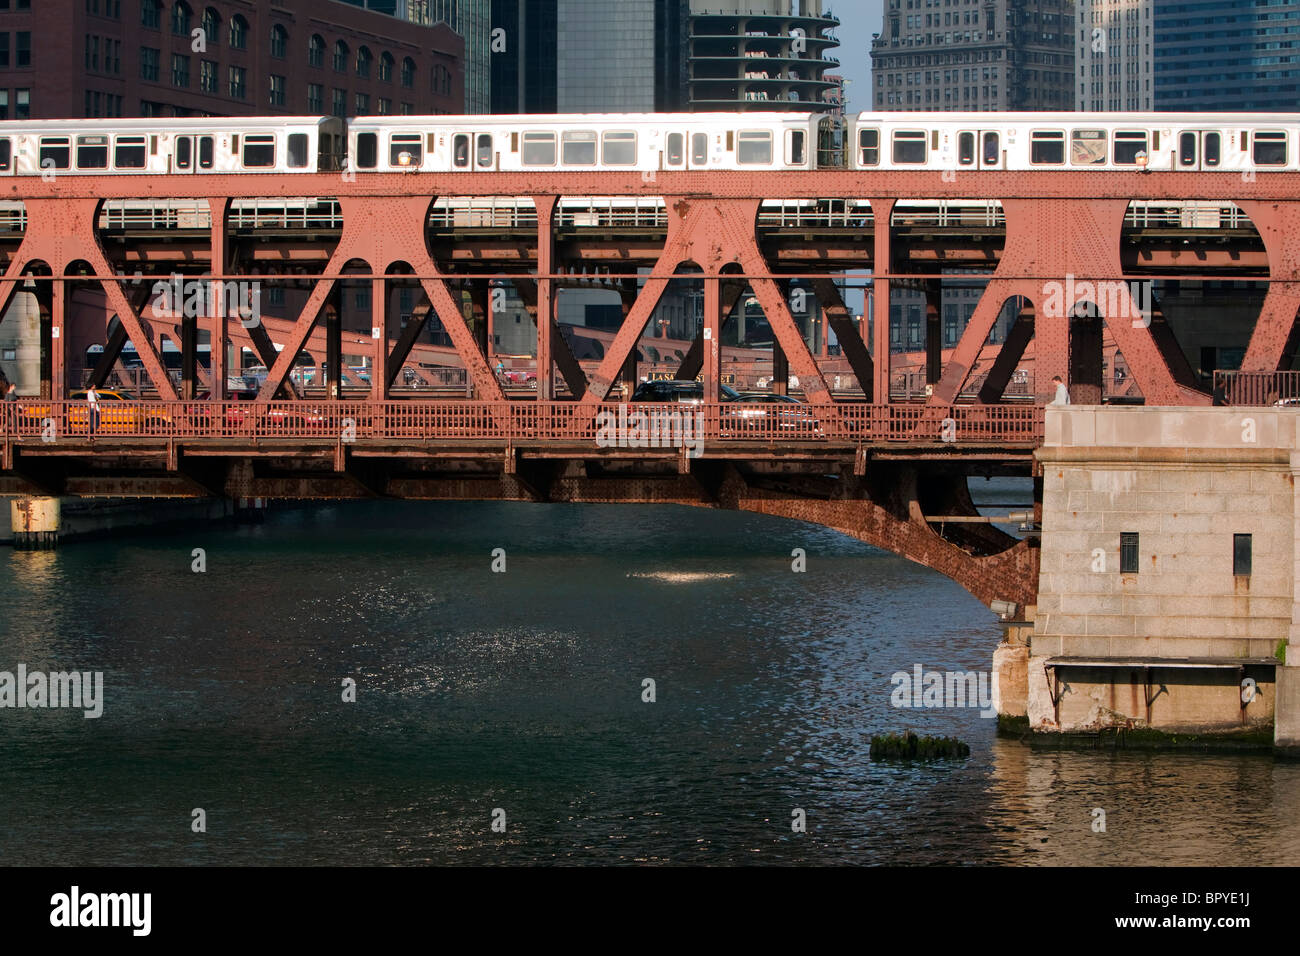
[969, 55]
[1112, 56]
[1227, 55]
[761, 54]
[86, 58]
[588, 56]
[471, 19]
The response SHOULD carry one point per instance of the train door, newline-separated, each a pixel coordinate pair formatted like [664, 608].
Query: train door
[1200, 149]
[473, 151]
[193, 154]
[980, 149]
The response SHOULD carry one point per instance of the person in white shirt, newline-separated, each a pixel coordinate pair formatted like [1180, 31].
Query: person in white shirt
[1062, 396]
[92, 399]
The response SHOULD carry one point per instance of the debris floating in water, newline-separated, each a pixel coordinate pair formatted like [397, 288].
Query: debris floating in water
[682, 577]
[909, 746]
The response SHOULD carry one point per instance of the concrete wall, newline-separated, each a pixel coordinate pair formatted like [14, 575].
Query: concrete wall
[1186, 481]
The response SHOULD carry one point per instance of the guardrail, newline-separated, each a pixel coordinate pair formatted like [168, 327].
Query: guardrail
[1257, 388]
[628, 425]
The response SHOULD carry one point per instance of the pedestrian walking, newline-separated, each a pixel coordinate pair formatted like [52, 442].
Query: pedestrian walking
[92, 401]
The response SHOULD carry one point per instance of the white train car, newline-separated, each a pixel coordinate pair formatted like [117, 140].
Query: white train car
[1214, 142]
[644, 142]
[99, 147]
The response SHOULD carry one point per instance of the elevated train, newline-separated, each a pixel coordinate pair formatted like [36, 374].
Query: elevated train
[652, 142]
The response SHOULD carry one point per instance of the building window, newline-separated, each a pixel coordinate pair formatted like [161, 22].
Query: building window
[363, 62]
[340, 57]
[279, 42]
[208, 76]
[238, 33]
[277, 90]
[363, 104]
[181, 19]
[22, 104]
[1241, 548]
[315, 98]
[1128, 552]
[4, 104]
[408, 72]
[149, 63]
[237, 86]
[340, 102]
[180, 70]
[383, 106]
[408, 109]
[211, 26]
[316, 50]
[4, 49]
[386, 67]
[23, 49]
[151, 14]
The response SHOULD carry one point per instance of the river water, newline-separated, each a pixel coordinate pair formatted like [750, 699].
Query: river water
[483, 695]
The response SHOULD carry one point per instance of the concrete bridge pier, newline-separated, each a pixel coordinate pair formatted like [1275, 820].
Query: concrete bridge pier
[1167, 606]
[35, 523]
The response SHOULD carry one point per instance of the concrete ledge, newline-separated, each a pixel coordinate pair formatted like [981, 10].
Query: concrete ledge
[1100, 426]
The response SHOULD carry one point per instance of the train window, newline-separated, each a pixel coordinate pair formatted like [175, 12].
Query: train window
[1087, 147]
[205, 152]
[259, 151]
[1128, 143]
[1270, 148]
[618, 148]
[55, 152]
[1212, 149]
[578, 147]
[797, 148]
[405, 149]
[1047, 147]
[754, 147]
[184, 152]
[92, 152]
[6, 153]
[367, 150]
[992, 152]
[297, 150]
[869, 147]
[700, 149]
[539, 149]
[483, 151]
[129, 152]
[909, 146]
[966, 149]
[675, 148]
[460, 150]
[1186, 149]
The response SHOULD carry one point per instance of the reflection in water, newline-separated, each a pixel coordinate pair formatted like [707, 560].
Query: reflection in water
[523, 690]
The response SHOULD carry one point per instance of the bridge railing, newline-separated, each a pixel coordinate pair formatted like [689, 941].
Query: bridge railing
[628, 425]
[1258, 388]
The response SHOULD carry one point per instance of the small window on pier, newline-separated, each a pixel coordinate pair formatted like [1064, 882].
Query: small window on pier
[1241, 554]
[1128, 552]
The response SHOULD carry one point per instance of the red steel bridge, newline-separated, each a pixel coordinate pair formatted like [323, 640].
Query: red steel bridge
[890, 470]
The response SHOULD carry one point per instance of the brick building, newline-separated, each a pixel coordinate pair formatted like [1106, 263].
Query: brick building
[77, 58]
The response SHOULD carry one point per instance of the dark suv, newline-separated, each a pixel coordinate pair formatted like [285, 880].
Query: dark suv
[676, 390]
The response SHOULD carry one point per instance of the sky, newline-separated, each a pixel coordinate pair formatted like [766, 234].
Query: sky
[858, 20]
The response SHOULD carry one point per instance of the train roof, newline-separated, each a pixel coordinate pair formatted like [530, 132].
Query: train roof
[152, 124]
[536, 119]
